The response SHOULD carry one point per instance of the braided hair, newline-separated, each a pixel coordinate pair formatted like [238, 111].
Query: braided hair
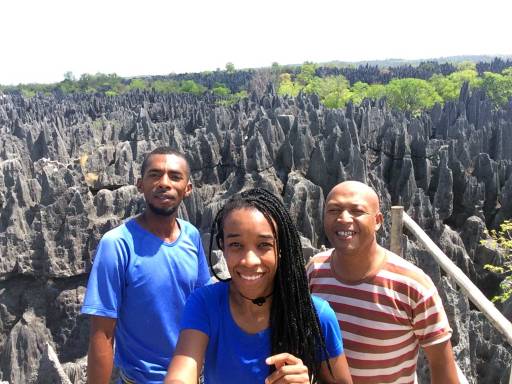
[294, 324]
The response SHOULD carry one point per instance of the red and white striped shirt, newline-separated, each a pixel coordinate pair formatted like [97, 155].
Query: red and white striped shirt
[384, 319]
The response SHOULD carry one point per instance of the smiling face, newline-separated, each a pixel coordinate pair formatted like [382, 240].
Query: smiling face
[165, 183]
[249, 247]
[352, 217]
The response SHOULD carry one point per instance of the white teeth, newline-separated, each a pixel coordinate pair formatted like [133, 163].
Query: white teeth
[250, 277]
[345, 233]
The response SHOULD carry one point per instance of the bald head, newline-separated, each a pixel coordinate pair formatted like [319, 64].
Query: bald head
[352, 218]
[356, 189]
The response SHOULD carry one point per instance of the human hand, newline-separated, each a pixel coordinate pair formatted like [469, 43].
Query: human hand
[289, 369]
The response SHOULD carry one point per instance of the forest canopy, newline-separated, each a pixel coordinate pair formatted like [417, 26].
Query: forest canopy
[406, 87]
[408, 94]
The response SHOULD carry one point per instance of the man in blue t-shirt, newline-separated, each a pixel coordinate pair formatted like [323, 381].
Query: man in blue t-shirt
[143, 272]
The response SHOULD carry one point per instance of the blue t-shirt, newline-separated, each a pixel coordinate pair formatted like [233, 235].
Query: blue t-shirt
[232, 355]
[144, 283]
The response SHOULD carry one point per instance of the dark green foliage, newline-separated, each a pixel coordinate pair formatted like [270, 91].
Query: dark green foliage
[190, 86]
[498, 86]
[221, 90]
[409, 94]
[231, 99]
[448, 87]
[501, 239]
[112, 85]
[230, 67]
[335, 85]
[165, 86]
[137, 84]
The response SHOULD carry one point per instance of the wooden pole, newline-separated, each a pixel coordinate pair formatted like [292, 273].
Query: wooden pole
[460, 375]
[395, 245]
[496, 318]
[470, 290]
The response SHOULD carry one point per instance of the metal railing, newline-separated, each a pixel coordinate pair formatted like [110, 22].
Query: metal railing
[398, 219]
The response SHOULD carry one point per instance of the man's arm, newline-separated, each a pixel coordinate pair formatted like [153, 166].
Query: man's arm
[100, 356]
[442, 363]
[340, 372]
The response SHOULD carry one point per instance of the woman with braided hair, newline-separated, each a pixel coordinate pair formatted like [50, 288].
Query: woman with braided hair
[261, 325]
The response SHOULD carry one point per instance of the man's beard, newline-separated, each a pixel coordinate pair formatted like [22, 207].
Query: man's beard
[166, 212]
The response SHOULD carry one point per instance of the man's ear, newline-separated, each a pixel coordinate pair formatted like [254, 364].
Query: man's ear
[139, 184]
[188, 189]
[379, 219]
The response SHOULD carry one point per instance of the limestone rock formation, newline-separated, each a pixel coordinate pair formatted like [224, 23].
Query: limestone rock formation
[68, 165]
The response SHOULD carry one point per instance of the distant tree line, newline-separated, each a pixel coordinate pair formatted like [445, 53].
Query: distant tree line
[424, 70]
[113, 85]
[374, 74]
[408, 87]
[235, 80]
[497, 66]
[408, 94]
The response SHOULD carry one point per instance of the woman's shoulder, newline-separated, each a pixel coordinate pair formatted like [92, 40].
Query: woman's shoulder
[205, 301]
[321, 305]
[212, 292]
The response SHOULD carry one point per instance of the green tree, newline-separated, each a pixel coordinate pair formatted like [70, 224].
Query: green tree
[464, 65]
[502, 239]
[137, 84]
[27, 92]
[69, 76]
[101, 83]
[165, 86]
[359, 91]
[449, 87]
[275, 67]
[221, 90]
[232, 98]
[498, 87]
[333, 91]
[287, 86]
[69, 84]
[507, 71]
[307, 73]
[230, 67]
[190, 86]
[376, 91]
[413, 95]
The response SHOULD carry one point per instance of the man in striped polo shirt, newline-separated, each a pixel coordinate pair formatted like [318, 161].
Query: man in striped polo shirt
[386, 307]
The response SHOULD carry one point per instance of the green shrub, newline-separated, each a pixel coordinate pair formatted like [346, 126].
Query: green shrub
[502, 239]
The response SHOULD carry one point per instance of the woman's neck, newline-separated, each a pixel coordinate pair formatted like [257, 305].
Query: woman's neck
[249, 316]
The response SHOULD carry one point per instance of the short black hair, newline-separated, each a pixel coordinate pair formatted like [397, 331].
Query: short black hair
[294, 324]
[163, 151]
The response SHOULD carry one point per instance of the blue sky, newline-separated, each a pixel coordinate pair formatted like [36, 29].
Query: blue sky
[43, 39]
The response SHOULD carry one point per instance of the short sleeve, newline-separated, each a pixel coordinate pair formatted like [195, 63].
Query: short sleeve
[310, 266]
[330, 328]
[430, 323]
[203, 272]
[196, 314]
[107, 278]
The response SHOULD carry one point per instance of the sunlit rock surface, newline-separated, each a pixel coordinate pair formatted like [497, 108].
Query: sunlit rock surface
[68, 167]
